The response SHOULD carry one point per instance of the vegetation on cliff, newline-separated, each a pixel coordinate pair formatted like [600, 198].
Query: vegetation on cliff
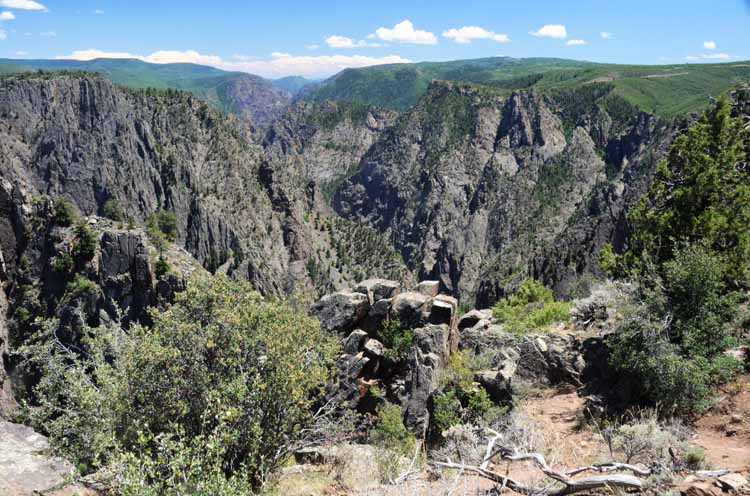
[689, 251]
[213, 396]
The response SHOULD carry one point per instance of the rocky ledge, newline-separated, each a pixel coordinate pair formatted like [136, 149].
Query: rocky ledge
[362, 316]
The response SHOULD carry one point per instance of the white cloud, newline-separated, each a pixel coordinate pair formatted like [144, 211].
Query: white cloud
[337, 41]
[21, 53]
[22, 4]
[98, 12]
[551, 31]
[280, 64]
[3, 35]
[467, 33]
[576, 42]
[312, 47]
[709, 45]
[7, 16]
[48, 34]
[708, 56]
[239, 56]
[404, 32]
[606, 35]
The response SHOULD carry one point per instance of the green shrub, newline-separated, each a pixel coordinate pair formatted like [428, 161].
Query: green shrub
[63, 264]
[446, 411]
[695, 458]
[79, 286]
[390, 431]
[64, 213]
[85, 243]
[162, 222]
[396, 339]
[671, 343]
[113, 211]
[392, 440]
[532, 308]
[478, 404]
[222, 385]
[700, 194]
[461, 400]
[162, 267]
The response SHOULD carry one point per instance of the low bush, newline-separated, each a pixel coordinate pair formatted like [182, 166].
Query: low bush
[63, 264]
[85, 243]
[218, 391]
[646, 440]
[671, 341]
[64, 213]
[113, 210]
[162, 267]
[164, 222]
[461, 400]
[396, 339]
[393, 441]
[79, 286]
[532, 308]
[446, 411]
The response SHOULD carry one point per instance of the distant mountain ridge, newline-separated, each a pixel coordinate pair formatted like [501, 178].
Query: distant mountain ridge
[667, 90]
[252, 97]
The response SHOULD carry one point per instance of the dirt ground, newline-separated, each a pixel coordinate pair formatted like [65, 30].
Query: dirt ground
[724, 433]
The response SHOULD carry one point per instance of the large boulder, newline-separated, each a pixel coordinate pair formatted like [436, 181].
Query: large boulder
[353, 343]
[444, 310]
[378, 313]
[378, 289]
[26, 468]
[341, 312]
[498, 383]
[429, 288]
[374, 349]
[411, 308]
[428, 356]
[473, 317]
[350, 369]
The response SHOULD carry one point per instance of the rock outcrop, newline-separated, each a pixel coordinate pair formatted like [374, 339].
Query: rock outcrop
[366, 362]
[26, 468]
[413, 378]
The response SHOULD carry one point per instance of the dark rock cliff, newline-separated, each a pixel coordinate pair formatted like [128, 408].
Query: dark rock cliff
[87, 141]
[478, 190]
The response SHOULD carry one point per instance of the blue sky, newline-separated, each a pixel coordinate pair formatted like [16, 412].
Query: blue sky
[318, 38]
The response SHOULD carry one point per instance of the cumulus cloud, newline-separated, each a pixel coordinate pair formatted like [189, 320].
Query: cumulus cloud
[312, 47]
[21, 53]
[468, 33]
[576, 42]
[404, 32]
[98, 12]
[22, 5]
[606, 35]
[709, 45]
[48, 34]
[551, 31]
[337, 41]
[279, 65]
[7, 16]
